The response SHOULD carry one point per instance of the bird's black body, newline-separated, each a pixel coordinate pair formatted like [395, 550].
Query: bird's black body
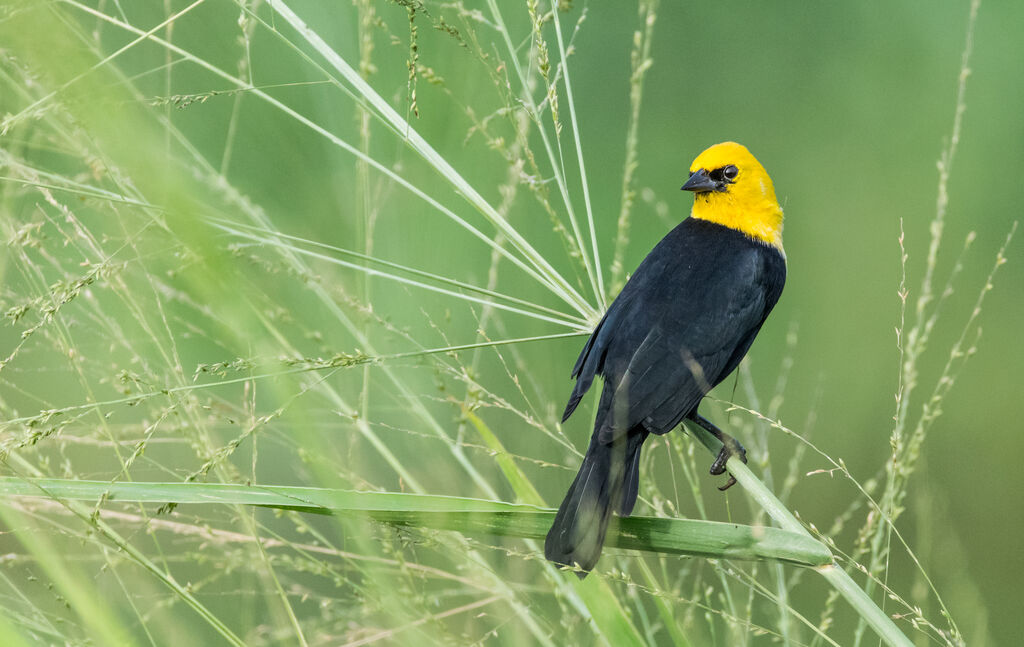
[680, 326]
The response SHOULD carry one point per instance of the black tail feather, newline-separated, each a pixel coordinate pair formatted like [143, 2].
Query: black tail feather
[631, 485]
[608, 479]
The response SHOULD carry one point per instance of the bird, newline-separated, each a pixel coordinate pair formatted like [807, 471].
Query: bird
[680, 325]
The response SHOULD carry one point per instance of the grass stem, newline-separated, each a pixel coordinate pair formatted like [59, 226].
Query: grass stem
[837, 577]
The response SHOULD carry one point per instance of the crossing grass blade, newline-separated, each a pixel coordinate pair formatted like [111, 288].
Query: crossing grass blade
[473, 516]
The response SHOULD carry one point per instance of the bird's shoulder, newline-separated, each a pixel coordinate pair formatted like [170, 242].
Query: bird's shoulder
[699, 271]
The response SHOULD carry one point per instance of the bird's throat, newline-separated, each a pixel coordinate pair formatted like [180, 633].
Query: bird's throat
[760, 220]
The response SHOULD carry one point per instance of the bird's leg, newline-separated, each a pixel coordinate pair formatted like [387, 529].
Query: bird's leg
[730, 447]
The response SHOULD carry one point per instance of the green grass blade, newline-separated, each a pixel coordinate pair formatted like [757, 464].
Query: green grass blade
[599, 288]
[610, 619]
[557, 283]
[545, 278]
[837, 577]
[272, 237]
[520, 483]
[9, 633]
[665, 610]
[555, 160]
[369, 271]
[674, 536]
[97, 619]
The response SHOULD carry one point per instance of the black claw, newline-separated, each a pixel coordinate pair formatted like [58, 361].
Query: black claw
[730, 447]
[736, 449]
[718, 467]
[740, 451]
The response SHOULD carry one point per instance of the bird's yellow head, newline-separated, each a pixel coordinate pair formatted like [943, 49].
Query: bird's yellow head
[733, 189]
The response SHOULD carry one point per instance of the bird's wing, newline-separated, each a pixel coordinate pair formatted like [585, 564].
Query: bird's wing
[591, 361]
[673, 347]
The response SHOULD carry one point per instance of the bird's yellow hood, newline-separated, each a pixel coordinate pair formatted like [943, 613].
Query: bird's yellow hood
[734, 190]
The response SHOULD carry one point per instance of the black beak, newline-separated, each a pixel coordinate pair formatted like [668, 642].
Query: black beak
[700, 182]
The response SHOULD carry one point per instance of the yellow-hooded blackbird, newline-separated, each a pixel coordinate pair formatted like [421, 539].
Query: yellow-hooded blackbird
[681, 324]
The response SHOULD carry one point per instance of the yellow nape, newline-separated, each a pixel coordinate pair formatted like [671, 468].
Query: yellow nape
[748, 203]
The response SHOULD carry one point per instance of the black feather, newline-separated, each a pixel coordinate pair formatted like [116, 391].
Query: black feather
[681, 325]
[603, 483]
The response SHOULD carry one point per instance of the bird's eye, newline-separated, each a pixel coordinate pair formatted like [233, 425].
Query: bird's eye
[731, 172]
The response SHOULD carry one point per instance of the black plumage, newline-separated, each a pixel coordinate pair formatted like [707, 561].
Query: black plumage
[681, 325]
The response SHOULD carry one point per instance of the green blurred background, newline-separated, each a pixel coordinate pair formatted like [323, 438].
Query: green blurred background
[848, 106]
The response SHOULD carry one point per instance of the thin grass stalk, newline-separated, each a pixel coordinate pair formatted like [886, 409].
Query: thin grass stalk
[781, 590]
[37, 623]
[684, 457]
[142, 35]
[365, 9]
[535, 630]
[640, 62]
[508, 192]
[86, 515]
[870, 613]
[274, 238]
[552, 278]
[412, 483]
[534, 111]
[764, 592]
[98, 622]
[596, 262]
[898, 470]
[305, 366]
[594, 600]
[668, 619]
[329, 303]
[540, 55]
[917, 336]
[781, 584]
[593, 597]
[586, 311]
[244, 72]
[369, 271]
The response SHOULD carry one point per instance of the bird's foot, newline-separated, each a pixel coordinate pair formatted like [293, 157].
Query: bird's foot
[730, 447]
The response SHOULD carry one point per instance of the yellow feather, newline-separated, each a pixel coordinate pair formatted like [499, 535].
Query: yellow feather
[748, 204]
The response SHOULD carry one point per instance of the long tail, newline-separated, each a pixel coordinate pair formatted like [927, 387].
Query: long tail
[608, 479]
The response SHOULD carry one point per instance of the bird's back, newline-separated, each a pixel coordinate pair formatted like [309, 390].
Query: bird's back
[680, 325]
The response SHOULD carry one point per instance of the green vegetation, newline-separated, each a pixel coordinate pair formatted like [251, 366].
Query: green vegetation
[291, 291]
